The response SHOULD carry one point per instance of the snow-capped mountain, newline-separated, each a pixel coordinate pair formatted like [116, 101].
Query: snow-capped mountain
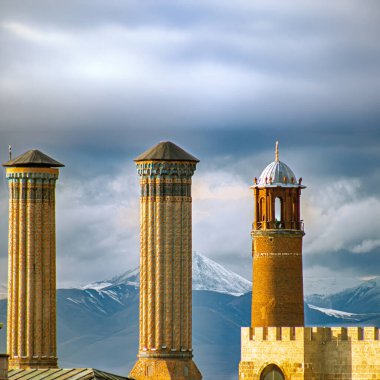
[364, 298]
[328, 285]
[207, 275]
[130, 277]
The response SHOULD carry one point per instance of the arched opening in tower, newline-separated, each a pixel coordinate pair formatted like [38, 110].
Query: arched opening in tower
[278, 212]
[272, 372]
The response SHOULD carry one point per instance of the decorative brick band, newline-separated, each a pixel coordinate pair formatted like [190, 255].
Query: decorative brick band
[17, 175]
[167, 199]
[32, 189]
[166, 168]
[164, 189]
[30, 172]
[275, 254]
[277, 232]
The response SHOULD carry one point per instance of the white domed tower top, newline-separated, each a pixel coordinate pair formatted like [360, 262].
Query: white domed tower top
[276, 174]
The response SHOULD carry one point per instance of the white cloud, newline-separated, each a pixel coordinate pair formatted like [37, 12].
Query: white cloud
[366, 246]
[202, 64]
[97, 227]
[219, 185]
[36, 35]
[337, 217]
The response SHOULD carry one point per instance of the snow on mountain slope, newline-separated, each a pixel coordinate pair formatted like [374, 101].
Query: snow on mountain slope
[364, 298]
[207, 275]
[328, 285]
[130, 277]
[336, 313]
[3, 291]
[367, 292]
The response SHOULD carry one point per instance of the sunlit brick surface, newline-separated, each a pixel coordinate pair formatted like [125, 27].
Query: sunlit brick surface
[32, 276]
[165, 343]
[311, 353]
[277, 295]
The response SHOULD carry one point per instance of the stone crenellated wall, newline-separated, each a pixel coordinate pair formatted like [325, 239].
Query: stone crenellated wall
[311, 353]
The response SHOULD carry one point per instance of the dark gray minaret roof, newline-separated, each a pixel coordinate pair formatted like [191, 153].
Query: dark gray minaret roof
[166, 151]
[33, 158]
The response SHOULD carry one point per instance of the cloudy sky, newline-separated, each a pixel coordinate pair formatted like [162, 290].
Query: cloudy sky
[93, 83]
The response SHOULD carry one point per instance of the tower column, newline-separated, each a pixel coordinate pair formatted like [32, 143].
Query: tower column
[277, 287]
[165, 274]
[31, 333]
[30, 271]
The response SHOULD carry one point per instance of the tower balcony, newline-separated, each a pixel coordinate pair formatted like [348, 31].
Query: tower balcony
[279, 225]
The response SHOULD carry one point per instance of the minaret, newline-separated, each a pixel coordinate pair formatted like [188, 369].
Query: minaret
[31, 333]
[277, 290]
[165, 344]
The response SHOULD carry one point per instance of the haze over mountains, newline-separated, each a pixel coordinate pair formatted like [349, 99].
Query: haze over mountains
[98, 324]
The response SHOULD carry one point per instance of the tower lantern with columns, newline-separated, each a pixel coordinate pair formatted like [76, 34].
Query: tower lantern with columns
[31, 332]
[277, 291]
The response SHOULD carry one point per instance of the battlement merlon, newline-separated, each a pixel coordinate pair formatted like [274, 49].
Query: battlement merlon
[315, 334]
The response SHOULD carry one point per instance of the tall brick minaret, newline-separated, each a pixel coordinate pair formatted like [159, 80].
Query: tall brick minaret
[31, 332]
[165, 346]
[277, 291]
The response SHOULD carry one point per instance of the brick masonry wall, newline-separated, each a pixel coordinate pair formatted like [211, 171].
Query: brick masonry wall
[311, 353]
[31, 329]
[165, 348]
[277, 292]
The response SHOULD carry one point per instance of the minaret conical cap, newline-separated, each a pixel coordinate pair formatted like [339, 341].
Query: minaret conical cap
[166, 151]
[33, 158]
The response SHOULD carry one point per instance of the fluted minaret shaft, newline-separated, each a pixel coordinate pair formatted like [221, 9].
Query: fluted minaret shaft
[165, 259]
[31, 279]
[165, 343]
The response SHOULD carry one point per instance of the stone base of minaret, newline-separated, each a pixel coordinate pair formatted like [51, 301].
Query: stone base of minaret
[165, 369]
[33, 362]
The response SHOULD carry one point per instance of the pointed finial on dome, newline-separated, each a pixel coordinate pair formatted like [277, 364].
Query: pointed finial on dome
[277, 151]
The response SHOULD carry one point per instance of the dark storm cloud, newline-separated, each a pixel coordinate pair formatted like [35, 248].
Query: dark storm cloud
[91, 64]
[352, 264]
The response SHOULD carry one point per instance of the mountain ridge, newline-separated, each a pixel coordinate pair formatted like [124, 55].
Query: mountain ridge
[207, 275]
[210, 275]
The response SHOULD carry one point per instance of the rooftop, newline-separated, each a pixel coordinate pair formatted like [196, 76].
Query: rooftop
[33, 158]
[166, 151]
[62, 374]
